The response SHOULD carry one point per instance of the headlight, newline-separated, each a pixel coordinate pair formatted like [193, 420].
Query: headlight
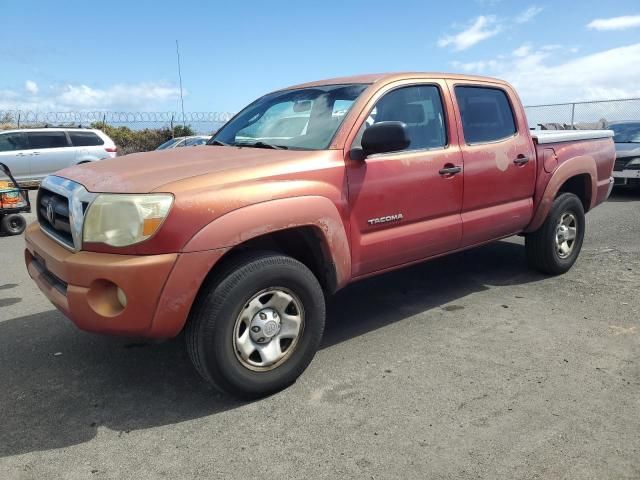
[122, 220]
[635, 161]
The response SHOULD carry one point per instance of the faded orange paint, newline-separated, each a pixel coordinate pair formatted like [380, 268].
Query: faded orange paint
[225, 196]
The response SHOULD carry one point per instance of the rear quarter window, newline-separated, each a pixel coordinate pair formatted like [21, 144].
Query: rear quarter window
[486, 114]
[85, 139]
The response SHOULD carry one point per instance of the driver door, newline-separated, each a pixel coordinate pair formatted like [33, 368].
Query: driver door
[403, 208]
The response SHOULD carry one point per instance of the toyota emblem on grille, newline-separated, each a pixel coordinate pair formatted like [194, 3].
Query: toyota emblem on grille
[51, 214]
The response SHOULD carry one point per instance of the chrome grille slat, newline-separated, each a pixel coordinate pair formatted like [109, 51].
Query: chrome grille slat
[61, 207]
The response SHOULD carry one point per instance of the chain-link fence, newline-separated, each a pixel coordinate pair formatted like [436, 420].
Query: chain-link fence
[597, 114]
[199, 122]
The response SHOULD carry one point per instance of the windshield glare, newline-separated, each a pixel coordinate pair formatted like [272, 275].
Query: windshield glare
[303, 119]
[626, 132]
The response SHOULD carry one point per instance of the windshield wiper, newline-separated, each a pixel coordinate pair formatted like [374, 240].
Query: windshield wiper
[262, 145]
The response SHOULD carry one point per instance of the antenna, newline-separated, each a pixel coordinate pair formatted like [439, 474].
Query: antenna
[180, 77]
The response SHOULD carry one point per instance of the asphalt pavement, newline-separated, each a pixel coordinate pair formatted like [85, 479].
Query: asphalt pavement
[469, 366]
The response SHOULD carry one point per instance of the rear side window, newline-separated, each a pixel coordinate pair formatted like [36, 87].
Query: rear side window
[85, 139]
[486, 114]
[10, 142]
[42, 140]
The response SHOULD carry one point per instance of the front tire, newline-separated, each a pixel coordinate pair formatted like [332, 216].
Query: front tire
[256, 325]
[555, 246]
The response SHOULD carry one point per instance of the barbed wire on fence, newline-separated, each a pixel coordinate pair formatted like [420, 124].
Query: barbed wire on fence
[202, 122]
[596, 114]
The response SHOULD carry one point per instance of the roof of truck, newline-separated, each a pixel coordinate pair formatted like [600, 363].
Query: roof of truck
[389, 77]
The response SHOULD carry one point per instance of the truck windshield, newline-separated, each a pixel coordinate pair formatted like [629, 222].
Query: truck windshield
[300, 119]
[626, 132]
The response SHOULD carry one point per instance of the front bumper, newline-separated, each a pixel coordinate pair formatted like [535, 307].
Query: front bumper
[627, 177]
[159, 289]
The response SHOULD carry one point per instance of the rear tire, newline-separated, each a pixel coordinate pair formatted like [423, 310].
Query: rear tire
[555, 246]
[225, 334]
[13, 224]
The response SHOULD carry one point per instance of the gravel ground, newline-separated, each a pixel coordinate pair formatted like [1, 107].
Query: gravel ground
[469, 366]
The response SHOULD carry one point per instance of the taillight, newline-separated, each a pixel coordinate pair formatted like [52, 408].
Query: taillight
[111, 149]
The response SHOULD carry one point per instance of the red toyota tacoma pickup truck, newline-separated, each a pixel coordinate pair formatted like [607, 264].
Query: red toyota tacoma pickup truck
[307, 189]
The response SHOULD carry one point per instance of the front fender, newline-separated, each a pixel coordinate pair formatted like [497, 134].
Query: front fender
[258, 219]
[569, 168]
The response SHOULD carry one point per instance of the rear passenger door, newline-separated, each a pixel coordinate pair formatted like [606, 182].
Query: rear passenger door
[499, 162]
[50, 151]
[13, 155]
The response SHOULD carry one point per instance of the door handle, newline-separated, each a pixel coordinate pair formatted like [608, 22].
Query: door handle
[35, 153]
[521, 160]
[450, 170]
[21, 154]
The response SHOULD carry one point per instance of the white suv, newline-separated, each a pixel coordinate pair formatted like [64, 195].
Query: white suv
[32, 154]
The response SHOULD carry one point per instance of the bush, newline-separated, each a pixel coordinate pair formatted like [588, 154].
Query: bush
[131, 141]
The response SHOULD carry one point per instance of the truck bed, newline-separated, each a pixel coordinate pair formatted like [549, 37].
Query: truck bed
[557, 136]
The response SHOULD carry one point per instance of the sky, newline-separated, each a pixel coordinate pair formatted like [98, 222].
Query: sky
[121, 55]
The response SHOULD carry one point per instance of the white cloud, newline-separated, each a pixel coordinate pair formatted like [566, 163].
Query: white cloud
[31, 87]
[615, 23]
[484, 27]
[539, 78]
[528, 14]
[481, 28]
[522, 51]
[141, 96]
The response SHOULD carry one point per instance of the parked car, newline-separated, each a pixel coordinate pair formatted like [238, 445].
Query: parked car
[239, 243]
[32, 154]
[627, 139]
[192, 141]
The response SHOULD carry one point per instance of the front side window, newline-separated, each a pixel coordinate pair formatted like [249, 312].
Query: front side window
[486, 114]
[305, 118]
[420, 108]
[85, 139]
[10, 142]
[43, 140]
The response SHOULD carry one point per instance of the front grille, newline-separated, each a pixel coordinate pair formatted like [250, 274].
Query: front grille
[621, 164]
[53, 215]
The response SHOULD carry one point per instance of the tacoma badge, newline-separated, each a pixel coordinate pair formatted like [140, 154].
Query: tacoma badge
[388, 218]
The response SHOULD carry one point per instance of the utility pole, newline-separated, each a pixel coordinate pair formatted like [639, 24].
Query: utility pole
[180, 78]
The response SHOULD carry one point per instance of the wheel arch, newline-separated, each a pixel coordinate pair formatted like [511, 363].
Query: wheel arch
[577, 175]
[308, 228]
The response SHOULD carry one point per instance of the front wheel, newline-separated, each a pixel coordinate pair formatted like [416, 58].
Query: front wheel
[13, 224]
[555, 246]
[257, 325]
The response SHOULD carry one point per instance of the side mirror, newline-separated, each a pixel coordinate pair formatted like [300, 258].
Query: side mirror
[385, 137]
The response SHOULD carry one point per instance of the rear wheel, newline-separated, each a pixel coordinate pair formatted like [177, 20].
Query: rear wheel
[13, 224]
[555, 246]
[257, 325]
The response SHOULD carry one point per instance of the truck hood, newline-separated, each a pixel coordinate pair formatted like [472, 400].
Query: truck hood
[624, 150]
[146, 172]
